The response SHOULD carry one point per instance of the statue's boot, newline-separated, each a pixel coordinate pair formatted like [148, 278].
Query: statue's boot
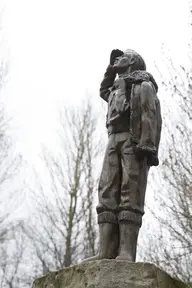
[128, 241]
[109, 242]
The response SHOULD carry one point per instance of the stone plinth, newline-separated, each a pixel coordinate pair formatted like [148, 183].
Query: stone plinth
[109, 274]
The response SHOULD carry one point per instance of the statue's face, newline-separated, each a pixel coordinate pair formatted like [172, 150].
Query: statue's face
[122, 63]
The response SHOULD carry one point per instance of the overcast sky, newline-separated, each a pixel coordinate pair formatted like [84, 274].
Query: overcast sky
[58, 51]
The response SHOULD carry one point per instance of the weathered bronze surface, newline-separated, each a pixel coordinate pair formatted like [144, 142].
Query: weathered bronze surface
[134, 127]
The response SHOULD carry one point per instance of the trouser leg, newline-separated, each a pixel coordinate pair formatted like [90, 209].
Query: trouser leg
[109, 197]
[110, 179]
[134, 183]
[131, 208]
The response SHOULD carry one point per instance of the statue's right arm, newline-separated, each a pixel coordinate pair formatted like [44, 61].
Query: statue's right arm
[107, 83]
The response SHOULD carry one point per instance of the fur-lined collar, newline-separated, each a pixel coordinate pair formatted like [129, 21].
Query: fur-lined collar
[139, 76]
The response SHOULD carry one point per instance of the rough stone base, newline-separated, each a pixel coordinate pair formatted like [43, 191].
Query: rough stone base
[109, 274]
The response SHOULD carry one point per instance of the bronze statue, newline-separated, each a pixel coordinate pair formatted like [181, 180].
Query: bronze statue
[134, 128]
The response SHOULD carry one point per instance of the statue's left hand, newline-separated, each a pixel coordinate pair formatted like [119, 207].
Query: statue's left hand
[153, 160]
[150, 153]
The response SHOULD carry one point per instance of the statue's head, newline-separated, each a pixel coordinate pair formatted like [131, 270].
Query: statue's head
[130, 61]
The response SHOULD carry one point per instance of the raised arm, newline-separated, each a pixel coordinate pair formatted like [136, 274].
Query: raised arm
[107, 83]
[109, 75]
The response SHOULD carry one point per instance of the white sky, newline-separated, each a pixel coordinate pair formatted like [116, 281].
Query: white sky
[58, 51]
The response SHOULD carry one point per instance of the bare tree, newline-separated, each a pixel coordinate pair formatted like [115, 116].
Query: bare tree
[12, 259]
[10, 163]
[10, 200]
[170, 245]
[63, 228]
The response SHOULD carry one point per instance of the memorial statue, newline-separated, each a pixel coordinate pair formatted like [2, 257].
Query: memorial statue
[134, 127]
